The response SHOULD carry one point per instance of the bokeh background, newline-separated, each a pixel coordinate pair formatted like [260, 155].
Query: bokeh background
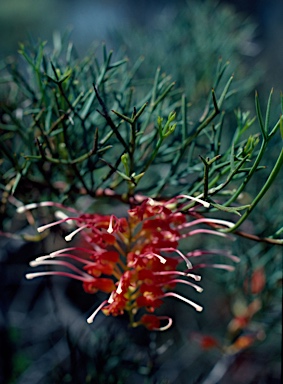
[44, 337]
[92, 21]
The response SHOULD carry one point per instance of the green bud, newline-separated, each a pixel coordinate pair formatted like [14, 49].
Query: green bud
[250, 145]
[138, 177]
[170, 130]
[125, 162]
[172, 116]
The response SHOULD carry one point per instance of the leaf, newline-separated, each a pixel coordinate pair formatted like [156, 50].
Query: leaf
[230, 209]
[16, 182]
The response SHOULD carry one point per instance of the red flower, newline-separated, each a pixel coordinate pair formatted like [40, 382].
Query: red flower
[138, 254]
[150, 321]
[100, 284]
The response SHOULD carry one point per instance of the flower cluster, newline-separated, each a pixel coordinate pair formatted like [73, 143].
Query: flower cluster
[135, 260]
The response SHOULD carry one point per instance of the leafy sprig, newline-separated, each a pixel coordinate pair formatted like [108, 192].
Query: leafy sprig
[81, 127]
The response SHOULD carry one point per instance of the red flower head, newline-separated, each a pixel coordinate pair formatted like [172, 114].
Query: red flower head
[135, 260]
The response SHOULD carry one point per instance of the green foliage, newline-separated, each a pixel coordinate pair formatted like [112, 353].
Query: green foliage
[81, 126]
[77, 127]
[188, 42]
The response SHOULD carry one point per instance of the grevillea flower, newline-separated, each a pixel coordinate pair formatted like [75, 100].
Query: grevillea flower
[135, 260]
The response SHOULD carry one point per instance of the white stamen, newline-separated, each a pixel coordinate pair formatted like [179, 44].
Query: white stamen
[172, 294]
[111, 299]
[206, 220]
[195, 277]
[27, 207]
[119, 288]
[209, 231]
[62, 216]
[36, 263]
[165, 327]
[204, 203]
[192, 275]
[188, 263]
[33, 275]
[152, 202]
[41, 258]
[72, 234]
[68, 255]
[196, 287]
[110, 227]
[44, 227]
[161, 258]
[91, 317]
[56, 253]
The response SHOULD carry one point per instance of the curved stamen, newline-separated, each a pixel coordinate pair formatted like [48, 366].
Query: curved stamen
[55, 253]
[69, 255]
[187, 261]
[44, 227]
[72, 234]
[205, 220]
[176, 281]
[208, 231]
[193, 276]
[91, 317]
[28, 207]
[172, 294]
[165, 327]
[196, 199]
[33, 275]
[35, 263]
[161, 258]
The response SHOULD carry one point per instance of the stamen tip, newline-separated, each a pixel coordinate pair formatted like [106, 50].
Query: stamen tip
[29, 276]
[33, 263]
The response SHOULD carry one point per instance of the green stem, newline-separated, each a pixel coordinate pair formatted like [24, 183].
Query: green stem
[262, 150]
[264, 189]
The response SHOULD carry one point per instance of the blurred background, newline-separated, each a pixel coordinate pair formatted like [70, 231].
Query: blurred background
[92, 21]
[44, 336]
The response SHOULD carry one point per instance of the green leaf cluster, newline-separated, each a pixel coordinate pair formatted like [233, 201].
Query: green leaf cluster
[75, 127]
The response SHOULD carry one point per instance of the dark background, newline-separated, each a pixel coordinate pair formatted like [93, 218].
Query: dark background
[44, 337]
[90, 21]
